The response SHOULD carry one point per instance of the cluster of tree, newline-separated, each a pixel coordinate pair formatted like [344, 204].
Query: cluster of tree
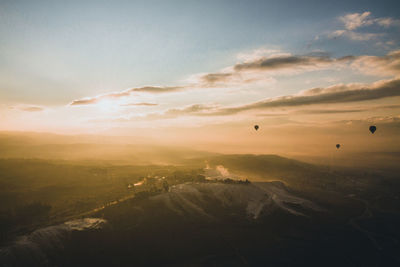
[231, 181]
[22, 216]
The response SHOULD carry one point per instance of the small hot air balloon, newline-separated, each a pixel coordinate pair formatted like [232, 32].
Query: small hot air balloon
[372, 128]
[337, 146]
[256, 127]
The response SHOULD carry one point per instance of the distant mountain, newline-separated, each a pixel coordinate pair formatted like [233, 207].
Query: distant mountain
[115, 150]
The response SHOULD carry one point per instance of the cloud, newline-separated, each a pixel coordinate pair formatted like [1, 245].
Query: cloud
[393, 120]
[32, 109]
[28, 108]
[85, 101]
[216, 77]
[125, 93]
[388, 22]
[356, 36]
[388, 65]
[328, 111]
[354, 21]
[139, 104]
[280, 62]
[156, 89]
[197, 109]
[257, 53]
[255, 69]
[333, 110]
[190, 110]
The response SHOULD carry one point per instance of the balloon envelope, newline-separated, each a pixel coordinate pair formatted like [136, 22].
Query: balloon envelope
[372, 128]
[256, 127]
[337, 146]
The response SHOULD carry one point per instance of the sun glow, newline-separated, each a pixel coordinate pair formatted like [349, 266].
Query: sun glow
[107, 105]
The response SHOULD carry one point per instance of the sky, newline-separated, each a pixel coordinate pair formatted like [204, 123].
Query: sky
[202, 72]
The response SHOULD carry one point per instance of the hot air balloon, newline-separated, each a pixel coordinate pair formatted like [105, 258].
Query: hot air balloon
[372, 128]
[337, 146]
[256, 127]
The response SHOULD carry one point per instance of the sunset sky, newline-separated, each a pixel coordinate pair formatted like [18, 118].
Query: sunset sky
[202, 70]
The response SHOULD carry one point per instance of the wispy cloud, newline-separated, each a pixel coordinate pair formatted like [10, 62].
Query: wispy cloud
[198, 109]
[354, 21]
[212, 78]
[256, 69]
[125, 93]
[356, 36]
[388, 65]
[393, 120]
[265, 67]
[282, 62]
[156, 89]
[328, 111]
[85, 101]
[140, 104]
[32, 109]
[189, 110]
[27, 108]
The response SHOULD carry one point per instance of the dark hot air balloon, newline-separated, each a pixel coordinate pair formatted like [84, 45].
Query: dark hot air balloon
[337, 146]
[256, 127]
[372, 128]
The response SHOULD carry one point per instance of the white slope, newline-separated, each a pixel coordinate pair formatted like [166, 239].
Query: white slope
[33, 248]
[193, 198]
